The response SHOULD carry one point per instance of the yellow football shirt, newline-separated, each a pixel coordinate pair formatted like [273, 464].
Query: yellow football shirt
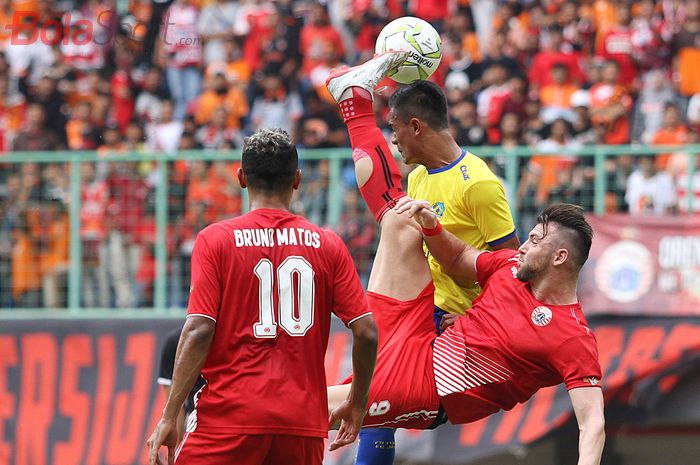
[471, 203]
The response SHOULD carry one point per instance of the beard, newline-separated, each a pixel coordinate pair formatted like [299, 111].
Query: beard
[527, 273]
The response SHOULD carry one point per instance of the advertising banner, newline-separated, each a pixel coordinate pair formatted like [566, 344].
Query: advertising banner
[643, 265]
[84, 392]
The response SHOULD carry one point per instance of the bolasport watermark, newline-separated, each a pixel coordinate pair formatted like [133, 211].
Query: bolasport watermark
[26, 28]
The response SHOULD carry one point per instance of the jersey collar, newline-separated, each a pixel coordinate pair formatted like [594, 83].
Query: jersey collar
[447, 167]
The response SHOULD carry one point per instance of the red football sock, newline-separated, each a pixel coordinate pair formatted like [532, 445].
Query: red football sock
[383, 188]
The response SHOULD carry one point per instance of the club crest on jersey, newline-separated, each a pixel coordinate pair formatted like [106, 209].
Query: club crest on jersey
[439, 209]
[541, 316]
[463, 169]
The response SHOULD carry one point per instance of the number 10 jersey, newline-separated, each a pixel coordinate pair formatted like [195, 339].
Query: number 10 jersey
[270, 280]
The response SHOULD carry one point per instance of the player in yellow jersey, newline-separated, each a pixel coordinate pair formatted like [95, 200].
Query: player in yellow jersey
[467, 196]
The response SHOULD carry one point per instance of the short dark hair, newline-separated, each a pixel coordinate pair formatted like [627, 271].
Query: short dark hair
[270, 160]
[578, 233]
[423, 100]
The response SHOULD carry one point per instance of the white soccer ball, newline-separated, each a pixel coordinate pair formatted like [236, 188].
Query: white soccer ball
[416, 36]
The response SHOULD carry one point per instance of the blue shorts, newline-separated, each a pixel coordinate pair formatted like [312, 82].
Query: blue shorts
[437, 317]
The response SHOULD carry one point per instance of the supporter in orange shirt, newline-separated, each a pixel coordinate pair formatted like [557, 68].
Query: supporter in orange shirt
[54, 256]
[26, 272]
[221, 94]
[686, 46]
[672, 132]
[610, 105]
[556, 97]
[236, 68]
[81, 132]
[314, 35]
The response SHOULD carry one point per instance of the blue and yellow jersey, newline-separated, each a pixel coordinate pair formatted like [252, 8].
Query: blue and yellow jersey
[471, 203]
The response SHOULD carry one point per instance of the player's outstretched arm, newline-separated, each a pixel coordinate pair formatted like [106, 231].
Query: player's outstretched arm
[352, 411]
[191, 354]
[458, 258]
[588, 408]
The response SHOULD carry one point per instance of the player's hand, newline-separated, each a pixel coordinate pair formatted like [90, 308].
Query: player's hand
[165, 434]
[350, 417]
[448, 320]
[420, 210]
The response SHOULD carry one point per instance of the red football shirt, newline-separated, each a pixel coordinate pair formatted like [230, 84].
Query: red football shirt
[270, 280]
[509, 345]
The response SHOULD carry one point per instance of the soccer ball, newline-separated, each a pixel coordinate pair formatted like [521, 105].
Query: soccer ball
[416, 36]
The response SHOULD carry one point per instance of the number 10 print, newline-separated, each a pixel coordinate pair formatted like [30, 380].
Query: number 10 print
[266, 327]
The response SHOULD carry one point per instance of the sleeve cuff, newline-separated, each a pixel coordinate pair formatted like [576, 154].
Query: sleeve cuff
[202, 315]
[165, 381]
[502, 240]
[358, 317]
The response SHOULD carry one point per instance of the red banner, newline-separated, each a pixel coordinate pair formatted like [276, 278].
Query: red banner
[84, 392]
[643, 265]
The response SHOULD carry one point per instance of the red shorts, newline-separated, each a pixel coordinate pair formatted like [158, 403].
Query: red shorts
[198, 448]
[403, 392]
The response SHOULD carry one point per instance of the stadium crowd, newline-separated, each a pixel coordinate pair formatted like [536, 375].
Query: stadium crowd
[188, 74]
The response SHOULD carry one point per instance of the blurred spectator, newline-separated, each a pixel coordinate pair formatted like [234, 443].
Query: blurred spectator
[149, 101]
[556, 97]
[490, 100]
[648, 113]
[547, 166]
[215, 26]
[650, 191]
[686, 46]
[127, 197]
[217, 132]
[95, 198]
[672, 132]
[316, 36]
[510, 130]
[236, 69]
[54, 254]
[12, 109]
[320, 126]
[25, 265]
[275, 108]
[221, 94]
[617, 45]
[183, 46]
[553, 53]
[164, 135]
[314, 198]
[610, 105]
[47, 95]
[465, 126]
[36, 135]
[650, 47]
[82, 133]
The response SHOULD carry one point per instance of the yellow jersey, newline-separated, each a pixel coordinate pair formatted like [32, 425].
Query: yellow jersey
[471, 203]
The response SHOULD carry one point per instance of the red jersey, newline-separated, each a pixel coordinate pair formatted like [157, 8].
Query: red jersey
[270, 280]
[509, 345]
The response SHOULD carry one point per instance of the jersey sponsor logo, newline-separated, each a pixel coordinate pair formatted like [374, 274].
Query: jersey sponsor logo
[379, 408]
[541, 316]
[439, 209]
[624, 272]
[463, 169]
[592, 381]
